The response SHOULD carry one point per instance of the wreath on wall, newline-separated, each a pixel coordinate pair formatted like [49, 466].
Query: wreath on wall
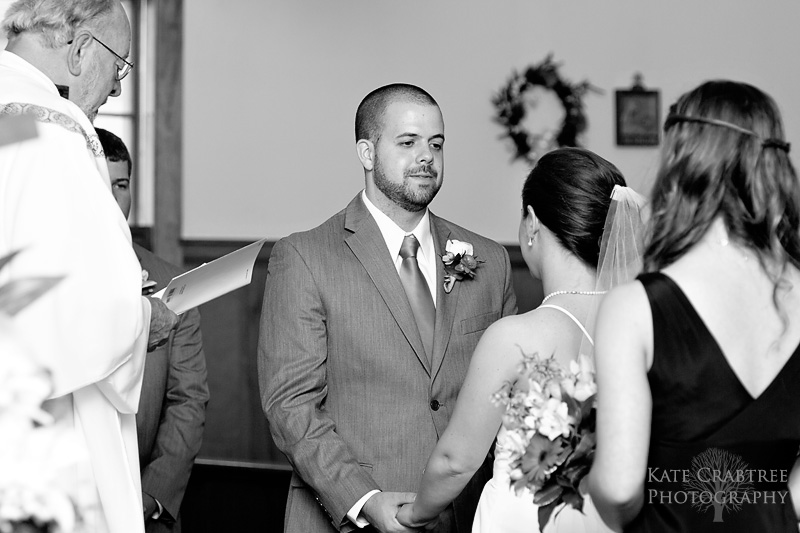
[510, 110]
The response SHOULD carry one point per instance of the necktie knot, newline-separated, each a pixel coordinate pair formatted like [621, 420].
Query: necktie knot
[409, 247]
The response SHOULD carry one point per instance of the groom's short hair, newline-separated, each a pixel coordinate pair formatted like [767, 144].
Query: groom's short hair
[369, 115]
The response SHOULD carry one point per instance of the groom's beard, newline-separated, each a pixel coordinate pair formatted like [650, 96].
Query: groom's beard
[404, 194]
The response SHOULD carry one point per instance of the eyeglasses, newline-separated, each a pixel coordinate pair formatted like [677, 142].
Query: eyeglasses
[122, 71]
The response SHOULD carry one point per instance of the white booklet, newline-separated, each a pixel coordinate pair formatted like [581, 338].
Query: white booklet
[211, 280]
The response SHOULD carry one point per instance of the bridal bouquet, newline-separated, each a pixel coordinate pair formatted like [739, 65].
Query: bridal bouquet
[37, 458]
[552, 430]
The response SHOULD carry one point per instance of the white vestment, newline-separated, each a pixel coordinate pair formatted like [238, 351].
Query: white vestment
[91, 329]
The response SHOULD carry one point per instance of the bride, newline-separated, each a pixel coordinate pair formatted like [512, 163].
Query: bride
[566, 199]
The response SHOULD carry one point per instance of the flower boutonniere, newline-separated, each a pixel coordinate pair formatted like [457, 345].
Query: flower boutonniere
[459, 263]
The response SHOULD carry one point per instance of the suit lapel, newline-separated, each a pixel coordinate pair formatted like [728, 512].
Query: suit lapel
[446, 304]
[369, 247]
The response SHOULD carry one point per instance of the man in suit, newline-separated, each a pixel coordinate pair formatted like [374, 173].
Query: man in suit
[362, 351]
[171, 416]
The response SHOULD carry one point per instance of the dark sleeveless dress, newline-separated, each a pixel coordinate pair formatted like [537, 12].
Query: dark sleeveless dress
[719, 459]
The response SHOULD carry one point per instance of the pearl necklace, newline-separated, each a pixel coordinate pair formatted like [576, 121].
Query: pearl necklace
[587, 293]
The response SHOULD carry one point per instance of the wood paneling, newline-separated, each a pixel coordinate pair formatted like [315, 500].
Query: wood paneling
[528, 290]
[240, 497]
[235, 425]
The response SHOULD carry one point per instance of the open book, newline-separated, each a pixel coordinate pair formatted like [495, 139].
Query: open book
[211, 280]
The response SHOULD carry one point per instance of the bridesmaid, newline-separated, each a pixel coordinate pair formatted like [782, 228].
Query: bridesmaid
[698, 361]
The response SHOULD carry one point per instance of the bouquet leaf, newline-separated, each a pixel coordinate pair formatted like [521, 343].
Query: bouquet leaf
[574, 499]
[548, 494]
[572, 475]
[18, 294]
[545, 511]
[585, 447]
[6, 258]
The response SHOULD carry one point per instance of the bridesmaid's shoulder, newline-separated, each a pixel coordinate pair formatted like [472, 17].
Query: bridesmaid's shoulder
[626, 307]
[629, 297]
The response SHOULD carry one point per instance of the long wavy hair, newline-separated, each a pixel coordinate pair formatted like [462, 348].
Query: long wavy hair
[743, 175]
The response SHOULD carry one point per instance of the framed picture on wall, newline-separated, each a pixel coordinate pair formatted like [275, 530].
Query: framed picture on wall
[638, 117]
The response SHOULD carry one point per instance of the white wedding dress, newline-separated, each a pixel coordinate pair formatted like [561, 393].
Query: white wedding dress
[502, 510]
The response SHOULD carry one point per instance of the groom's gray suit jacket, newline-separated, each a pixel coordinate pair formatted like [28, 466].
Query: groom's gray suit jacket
[349, 393]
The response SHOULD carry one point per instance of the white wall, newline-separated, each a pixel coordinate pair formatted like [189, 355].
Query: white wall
[272, 87]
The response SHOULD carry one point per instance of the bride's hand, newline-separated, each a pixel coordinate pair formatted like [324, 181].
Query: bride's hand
[405, 517]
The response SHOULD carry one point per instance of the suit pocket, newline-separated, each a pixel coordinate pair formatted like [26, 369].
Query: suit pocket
[478, 323]
[366, 467]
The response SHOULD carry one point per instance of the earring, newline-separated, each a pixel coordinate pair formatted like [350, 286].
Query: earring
[530, 241]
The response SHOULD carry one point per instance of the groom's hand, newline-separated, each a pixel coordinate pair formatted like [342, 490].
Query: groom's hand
[381, 511]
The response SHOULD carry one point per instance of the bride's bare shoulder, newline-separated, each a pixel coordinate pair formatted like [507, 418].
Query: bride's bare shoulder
[535, 330]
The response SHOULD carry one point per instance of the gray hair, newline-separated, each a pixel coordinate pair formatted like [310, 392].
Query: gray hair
[56, 20]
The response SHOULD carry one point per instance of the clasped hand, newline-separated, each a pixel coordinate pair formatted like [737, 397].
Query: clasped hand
[405, 517]
[381, 511]
[162, 321]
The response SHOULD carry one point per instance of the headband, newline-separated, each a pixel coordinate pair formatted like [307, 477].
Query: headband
[770, 142]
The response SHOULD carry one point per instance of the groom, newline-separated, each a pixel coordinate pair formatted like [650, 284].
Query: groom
[362, 351]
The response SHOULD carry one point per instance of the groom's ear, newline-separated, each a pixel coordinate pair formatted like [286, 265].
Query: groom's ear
[366, 154]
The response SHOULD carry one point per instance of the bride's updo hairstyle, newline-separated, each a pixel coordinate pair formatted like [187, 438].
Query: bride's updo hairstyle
[570, 190]
[724, 155]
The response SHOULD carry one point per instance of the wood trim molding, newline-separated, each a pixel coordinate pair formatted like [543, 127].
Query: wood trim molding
[197, 251]
[245, 465]
[168, 127]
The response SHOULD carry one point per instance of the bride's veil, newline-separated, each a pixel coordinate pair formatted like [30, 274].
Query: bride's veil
[621, 250]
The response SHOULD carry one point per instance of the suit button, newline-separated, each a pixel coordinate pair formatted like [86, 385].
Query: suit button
[435, 405]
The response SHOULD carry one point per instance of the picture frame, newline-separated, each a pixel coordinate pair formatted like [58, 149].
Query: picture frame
[638, 113]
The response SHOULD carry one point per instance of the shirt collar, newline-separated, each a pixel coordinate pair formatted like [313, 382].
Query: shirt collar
[394, 234]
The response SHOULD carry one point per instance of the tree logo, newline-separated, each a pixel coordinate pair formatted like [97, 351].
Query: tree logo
[720, 480]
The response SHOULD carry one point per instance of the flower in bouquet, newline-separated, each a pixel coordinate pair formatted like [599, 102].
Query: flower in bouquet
[38, 459]
[459, 263]
[550, 420]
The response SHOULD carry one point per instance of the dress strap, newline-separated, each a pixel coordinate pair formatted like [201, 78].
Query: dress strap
[578, 322]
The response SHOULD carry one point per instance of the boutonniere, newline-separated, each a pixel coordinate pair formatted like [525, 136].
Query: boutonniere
[148, 285]
[459, 263]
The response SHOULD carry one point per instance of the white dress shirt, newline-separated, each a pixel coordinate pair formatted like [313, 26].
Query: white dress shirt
[426, 258]
[394, 235]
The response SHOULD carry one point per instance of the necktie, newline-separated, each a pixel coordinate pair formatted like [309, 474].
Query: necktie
[419, 295]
